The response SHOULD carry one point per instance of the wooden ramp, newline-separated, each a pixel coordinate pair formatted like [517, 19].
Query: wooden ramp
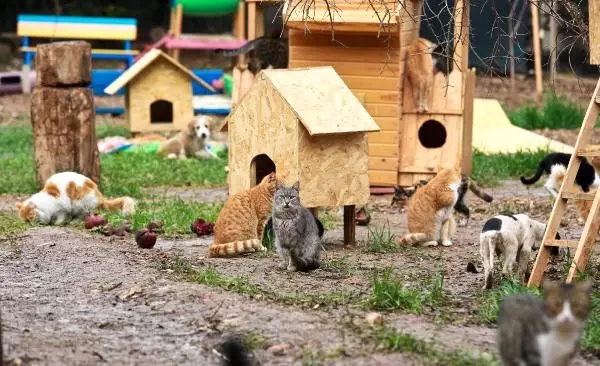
[569, 191]
[493, 132]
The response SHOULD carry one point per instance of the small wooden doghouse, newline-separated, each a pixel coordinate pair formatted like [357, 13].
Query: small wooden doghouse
[368, 52]
[306, 125]
[158, 95]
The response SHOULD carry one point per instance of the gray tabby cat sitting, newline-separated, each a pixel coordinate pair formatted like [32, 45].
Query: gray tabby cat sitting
[296, 232]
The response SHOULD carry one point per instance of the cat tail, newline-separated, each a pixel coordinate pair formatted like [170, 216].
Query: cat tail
[412, 239]
[479, 192]
[538, 174]
[249, 46]
[234, 248]
[125, 204]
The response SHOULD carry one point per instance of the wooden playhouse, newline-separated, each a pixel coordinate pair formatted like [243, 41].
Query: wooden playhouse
[306, 125]
[369, 56]
[159, 93]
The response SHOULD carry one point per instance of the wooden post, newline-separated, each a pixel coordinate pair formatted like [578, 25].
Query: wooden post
[461, 28]
[553, 34]
[537, 52]
[239, 26]
[177, 29]
[62, 112]
[594, 31]
[349, 224]
[467, 136]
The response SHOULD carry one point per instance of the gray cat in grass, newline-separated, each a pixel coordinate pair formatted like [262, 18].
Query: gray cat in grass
[296, 232]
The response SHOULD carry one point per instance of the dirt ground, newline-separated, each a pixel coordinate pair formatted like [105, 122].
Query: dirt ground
[71, 297]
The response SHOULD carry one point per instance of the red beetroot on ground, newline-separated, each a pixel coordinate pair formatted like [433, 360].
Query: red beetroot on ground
[201, 227]
[93, 221]
[145, 238]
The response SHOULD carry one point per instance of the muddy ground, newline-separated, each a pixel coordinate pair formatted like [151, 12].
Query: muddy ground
[71, 297]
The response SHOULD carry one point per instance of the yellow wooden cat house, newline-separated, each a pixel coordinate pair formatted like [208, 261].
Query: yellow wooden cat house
[368, 52]
[308, 126]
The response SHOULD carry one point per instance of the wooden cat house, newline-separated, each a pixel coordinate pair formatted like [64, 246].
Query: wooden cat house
[306, 125]
[159, 93]
[369, 54]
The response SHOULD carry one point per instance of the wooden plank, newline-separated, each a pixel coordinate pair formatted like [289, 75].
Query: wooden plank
[346, 41]
[578, 196]
[355, 54]
[251, 8]
[586, 242]
[371, 82]
[467, 123]
[95, 51]
[382, 110]
[382, 163]
[383, 150]
[348, 27]
[349, 225]
[389, 69]
[562, 243]
[383, 137]
[387, 123]
[445, 96]
[590, 150]
[537, 51]
[385, 178]
[378, 96]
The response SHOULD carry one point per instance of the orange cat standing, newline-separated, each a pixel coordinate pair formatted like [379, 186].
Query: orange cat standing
[419, 70]
[241, 222]
[430, 210]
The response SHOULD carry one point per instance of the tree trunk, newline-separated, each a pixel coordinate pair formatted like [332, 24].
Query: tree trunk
[64, 132]
[64, 64]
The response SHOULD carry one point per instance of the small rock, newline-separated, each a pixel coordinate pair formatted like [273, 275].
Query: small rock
[374, 319]
[279, 349]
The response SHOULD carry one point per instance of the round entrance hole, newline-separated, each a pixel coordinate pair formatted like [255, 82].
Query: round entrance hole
[432, 134]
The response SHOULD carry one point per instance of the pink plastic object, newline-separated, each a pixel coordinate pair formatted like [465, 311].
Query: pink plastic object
[203, 45]
[10, 82]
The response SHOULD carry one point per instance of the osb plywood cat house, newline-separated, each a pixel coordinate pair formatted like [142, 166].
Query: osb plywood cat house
[369, 54]
[159, 93]
[308, 126]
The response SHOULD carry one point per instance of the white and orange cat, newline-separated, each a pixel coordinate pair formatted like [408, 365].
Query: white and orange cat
[69, 195]
[420, 68]
[430, 210]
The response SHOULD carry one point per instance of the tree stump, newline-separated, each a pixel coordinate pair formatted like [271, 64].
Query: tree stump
[63, 117]
[64, 63]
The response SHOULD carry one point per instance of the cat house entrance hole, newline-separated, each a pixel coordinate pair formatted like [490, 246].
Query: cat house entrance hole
[260, 167]
[432, 134]
[161, 111]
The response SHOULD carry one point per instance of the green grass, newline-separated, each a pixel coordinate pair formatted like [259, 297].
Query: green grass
[555, 113]
[392, 340]
[122, 173]
[381, 240]
[490, 169]
[10, 224]
[389, 292]
[254, 340]
[176, 214]
[210, 276]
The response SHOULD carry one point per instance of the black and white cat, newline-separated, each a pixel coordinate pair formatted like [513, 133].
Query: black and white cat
[555, 164]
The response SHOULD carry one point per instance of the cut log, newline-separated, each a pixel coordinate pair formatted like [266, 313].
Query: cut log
[64, 64]
[64, 132]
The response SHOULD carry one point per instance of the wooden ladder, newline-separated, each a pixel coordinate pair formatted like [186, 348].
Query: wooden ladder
[568, 192]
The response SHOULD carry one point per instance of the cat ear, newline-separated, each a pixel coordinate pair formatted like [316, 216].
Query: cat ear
[296, 186]
[550, 285]
[585, 286]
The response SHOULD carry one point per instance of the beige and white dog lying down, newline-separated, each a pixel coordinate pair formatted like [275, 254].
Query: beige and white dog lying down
[190, 141]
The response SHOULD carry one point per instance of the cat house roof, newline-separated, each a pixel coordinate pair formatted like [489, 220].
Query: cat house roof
[318, 97]
[346, 16]
[148, 59]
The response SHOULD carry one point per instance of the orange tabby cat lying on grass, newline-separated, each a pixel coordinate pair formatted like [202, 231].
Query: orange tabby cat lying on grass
[241, 222]
[69, 195]
[431, 208]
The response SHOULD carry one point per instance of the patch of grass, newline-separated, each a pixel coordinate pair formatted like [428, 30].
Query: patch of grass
[254, 340]
[490, 299]
[211, 277]
[490, 169]
[176, 214]
[591, 336]
[381, 240]
[122, 173]
[109, 130]
[390, 293]
[391, 340]
[327, 220]
[10, 224]
[556, 112]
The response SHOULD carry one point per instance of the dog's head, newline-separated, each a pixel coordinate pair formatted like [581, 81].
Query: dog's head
[200, 127]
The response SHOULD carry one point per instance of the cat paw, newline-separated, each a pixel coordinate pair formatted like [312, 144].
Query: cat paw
[431, 243]
[262, 248]
[447, 243]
